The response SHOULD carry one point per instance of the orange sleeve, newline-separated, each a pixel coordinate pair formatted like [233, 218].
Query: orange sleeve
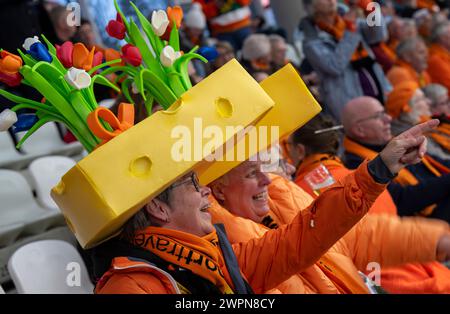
[390, 240]
[280, 253]
[135, 283]
[286, 199]
[439, 71]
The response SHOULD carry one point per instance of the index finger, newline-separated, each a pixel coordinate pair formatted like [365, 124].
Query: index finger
[422, 128]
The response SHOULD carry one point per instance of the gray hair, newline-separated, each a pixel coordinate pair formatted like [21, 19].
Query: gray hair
[433, 92]
[275, 38]
[256, 46]
[408, 45]
[438, 31]
[141, 219]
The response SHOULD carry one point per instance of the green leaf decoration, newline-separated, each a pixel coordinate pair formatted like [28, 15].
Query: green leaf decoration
[181, 65]
[174, 40]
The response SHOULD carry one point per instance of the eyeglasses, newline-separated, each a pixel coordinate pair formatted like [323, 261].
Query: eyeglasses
[191, 179]
[379, 115]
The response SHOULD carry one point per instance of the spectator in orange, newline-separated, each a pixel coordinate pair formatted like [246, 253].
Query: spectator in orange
[412, 63]
[439, 60]
[407, 105]
[422, 188]
[431, 277]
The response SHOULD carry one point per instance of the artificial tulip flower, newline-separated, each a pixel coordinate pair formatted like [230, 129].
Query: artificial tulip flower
[37, 49]
[7, 119]
[24, 122]
[64, 53]
[131, 55]
[169, 55]
[160, 21]
[116, 28]
[11, 80]
[78, 78]
[82, 57]
[175, 14]
[9, 63]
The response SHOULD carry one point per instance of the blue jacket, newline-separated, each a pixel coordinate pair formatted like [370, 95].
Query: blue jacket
[331, 60]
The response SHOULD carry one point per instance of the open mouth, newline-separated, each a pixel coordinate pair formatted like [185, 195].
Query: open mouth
[205, 208]
[260, 197]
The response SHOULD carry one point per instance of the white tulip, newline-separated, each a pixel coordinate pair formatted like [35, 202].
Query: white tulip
[29, 42]
[78, 78]
[169, 55]
[7, 119]
[160, 21]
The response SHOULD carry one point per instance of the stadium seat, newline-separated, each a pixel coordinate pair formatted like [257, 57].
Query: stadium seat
[46, 141]
[45, 173]
[49, 266]
[9, 155]
[9, 233]
[1, 290]
[18, 206]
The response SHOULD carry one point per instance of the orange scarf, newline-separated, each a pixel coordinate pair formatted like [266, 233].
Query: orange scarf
[442, 137]
[201, 255]
[337, 31]
[405, 177]
[422, 79]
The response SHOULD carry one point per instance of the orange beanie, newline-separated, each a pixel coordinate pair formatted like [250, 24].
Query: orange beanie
[398, 100]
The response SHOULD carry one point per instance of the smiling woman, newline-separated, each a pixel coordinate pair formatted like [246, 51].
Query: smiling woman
[243, 191]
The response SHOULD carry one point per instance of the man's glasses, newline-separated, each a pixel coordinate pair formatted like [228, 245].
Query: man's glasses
[379, 115]
[191, 179]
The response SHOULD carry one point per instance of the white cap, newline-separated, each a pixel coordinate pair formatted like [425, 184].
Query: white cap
[195, 17]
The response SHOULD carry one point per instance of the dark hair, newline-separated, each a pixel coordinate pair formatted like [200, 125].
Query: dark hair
[322, 143]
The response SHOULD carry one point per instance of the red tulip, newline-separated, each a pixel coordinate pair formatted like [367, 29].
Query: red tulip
[65, 54]
[116, 28]
[98, 58]
[131, 55]
[11, 79]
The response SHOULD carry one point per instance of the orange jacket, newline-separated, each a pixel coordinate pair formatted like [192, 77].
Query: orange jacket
[272, 259]
[403, 71]
[430, 277]
[439, 65]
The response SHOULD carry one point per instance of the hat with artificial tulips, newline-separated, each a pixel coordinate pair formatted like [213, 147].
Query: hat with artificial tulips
[128, 164]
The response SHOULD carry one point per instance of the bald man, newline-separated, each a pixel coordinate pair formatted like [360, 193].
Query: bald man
[368, 128]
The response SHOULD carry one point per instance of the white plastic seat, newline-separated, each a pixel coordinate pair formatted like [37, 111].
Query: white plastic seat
[49, 266]
[45, 173]
[18, 206]
[8, 234]
[46, 141]
[9, 156]
[1, 290]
